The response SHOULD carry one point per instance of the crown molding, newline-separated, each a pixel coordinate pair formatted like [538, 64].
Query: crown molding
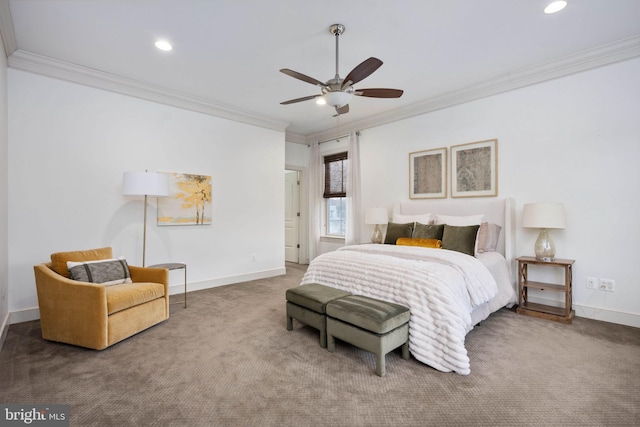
[6, 29]
[39, 64]
[621, 50]
[295, 138]
[604, 55]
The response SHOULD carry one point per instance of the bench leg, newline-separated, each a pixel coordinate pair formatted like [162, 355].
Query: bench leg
[331, 343]
[289, 323]
[380, 365]
[405, 351]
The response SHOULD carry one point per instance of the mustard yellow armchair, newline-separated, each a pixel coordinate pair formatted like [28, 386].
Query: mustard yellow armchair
[94, 315]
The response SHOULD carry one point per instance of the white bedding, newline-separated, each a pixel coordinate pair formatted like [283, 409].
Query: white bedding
[442, 289]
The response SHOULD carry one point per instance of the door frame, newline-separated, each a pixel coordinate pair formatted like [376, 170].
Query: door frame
[303, 232]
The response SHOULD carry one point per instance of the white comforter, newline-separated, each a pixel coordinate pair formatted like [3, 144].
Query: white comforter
[440, 287]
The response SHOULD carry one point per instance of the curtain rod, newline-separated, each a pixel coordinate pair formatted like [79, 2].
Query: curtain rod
[335, 138]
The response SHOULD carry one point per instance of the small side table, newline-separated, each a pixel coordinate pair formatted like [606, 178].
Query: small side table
[525, 306]
[175, 266]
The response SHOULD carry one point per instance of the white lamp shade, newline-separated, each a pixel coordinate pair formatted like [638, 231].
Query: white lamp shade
[543, 215]
[337, 99]
[145, 184]
[376, 216]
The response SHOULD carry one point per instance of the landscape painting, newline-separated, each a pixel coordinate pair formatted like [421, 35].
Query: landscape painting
[189, 201]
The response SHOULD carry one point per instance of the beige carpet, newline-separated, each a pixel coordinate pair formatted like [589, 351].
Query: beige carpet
[228, 360]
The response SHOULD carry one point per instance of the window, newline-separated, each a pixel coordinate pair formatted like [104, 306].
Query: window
[335, 193]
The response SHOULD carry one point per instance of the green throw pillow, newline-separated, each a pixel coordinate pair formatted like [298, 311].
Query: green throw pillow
[428, 231]
[460, 239]
[395, 231]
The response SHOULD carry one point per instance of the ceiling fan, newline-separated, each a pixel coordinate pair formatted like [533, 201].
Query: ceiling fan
[337, 92]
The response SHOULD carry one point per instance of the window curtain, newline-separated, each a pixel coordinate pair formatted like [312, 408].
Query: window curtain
[354, 213]
[316, 187]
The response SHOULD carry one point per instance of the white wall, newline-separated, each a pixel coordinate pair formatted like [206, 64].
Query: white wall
[574, 140]
[68, 148]
[4, 163]
[297, 155]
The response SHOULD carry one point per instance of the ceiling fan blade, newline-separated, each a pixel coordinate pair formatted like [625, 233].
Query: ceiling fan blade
[379, 93]
[361, 72]
[341, 110]
[304, 98]
[302, 77]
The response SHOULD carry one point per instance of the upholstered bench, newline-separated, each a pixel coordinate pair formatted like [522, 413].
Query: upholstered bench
[370, 324]
[307, 304]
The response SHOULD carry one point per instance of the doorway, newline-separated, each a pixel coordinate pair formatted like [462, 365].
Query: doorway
[292, 216]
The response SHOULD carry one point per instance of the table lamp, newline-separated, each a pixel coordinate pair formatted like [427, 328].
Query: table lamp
[544, 216]
[145, 184]
[377, 217]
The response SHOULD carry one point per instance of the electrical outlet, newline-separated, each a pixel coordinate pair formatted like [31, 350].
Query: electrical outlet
[592, 283]
[253, 257]
[608, 285]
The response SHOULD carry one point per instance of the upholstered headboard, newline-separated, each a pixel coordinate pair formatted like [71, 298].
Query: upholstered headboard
[498, 211]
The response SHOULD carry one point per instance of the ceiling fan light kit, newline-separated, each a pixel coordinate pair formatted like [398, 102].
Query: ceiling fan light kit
[337, 99]
[337, 92]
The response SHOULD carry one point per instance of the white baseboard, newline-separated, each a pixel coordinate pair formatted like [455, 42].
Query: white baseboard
[30, 314]
[178, 288]
[619, 317]
[597, 313]
[26, 315]
[4, 328]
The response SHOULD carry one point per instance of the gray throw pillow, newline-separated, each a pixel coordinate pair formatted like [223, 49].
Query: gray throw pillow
[395, 231]
[108, 272]
[428, 231]
[460, 239]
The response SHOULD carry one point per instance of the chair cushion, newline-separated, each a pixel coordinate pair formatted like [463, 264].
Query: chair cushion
[314, 297]
[126, 295]
[59, 259]
[367, 313]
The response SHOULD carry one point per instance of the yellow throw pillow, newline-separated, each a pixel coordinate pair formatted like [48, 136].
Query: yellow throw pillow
[416, 241]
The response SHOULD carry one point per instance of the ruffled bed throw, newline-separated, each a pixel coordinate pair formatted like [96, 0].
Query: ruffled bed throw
[440, 287]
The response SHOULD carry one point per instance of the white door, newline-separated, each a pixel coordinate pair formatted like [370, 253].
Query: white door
[291, 216]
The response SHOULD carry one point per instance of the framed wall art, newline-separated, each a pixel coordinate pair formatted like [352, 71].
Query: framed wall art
[428, 174]
[189, 201]
[474, 169]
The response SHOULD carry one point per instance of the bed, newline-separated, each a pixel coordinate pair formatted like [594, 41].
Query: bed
[448, 292]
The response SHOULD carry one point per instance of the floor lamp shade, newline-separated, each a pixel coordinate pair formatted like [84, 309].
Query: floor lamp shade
[544, 216]
[145, 184]
[377, 217]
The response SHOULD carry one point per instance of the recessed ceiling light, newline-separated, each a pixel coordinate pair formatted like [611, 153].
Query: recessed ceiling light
[164, 45]
[555, 6]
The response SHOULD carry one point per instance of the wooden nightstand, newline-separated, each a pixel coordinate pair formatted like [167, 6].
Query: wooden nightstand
[559, 314]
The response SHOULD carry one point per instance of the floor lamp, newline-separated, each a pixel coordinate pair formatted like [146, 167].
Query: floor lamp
[145, 184]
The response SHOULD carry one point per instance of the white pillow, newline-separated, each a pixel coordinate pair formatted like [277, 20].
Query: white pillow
[459, 221]
[404, 219]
